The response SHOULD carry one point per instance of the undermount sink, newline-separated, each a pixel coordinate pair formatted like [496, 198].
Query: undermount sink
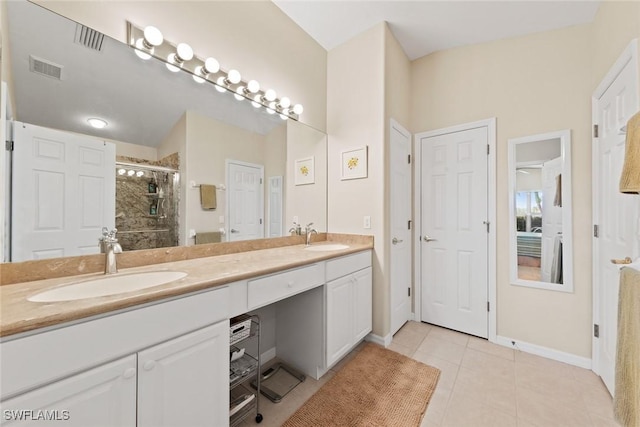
[108, 285]
[326, 248]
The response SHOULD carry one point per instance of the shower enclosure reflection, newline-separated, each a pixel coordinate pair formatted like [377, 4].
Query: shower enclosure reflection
[540, 206]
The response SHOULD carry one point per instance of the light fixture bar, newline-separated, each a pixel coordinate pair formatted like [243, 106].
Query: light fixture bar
[209, 70]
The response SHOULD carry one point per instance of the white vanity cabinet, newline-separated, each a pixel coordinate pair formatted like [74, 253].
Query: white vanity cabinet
[164, 364]
[102, 396]
[349, 300]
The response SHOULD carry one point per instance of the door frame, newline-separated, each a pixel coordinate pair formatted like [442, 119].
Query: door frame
[394, 124]
[228, 162]
[628, 56]
[490, 124]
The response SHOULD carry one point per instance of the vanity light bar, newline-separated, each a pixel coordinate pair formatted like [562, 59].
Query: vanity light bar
[181, 56]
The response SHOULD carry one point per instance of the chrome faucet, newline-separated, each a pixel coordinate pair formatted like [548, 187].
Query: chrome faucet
[308, 232]
[296, 229]
[109, 245]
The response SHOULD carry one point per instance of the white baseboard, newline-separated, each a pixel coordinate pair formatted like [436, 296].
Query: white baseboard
[377, 339]
[412, 316]
[549, 353]
[267, 355]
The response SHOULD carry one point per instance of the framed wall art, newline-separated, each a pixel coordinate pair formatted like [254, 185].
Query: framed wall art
[354, 163]
[304, 171]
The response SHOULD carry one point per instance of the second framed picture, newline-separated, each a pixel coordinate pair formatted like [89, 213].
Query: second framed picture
[354, 163]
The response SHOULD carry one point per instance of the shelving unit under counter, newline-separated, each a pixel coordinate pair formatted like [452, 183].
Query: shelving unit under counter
[244, 367]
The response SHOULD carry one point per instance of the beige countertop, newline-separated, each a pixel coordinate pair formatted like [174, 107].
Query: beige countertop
[18, 314]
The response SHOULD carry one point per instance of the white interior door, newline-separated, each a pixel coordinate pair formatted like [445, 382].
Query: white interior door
[275, 206]
[400, 202]
[454, 233]
[615, 214]
[63, 192]
[551, 216]
[246, 201]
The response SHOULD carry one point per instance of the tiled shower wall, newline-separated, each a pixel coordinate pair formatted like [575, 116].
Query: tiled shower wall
[140, 227]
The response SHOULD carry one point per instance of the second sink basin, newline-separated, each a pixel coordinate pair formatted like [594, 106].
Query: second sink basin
[323, 248]
[108, 285]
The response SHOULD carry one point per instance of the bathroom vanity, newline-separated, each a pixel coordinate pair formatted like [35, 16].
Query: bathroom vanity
[160, 356]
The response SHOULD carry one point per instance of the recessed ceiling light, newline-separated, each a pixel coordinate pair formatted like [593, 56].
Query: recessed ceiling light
[97, 123]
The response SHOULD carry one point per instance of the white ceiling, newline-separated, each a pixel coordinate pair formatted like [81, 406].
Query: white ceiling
[424, 27]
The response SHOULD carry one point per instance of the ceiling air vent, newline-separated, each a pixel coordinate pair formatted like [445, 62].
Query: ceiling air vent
[88, 37]
[44, 67]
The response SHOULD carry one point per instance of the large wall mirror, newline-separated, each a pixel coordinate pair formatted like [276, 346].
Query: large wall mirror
[171, 135]
[541, 254]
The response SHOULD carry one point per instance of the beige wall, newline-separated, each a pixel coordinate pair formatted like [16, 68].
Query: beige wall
[307, 202]
[356, 118]
[136, 150]
[254, 37]
[533, 84]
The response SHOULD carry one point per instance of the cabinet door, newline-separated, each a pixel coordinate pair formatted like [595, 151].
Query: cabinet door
[362, 303]
[102, 396]
[339, 318]
[185, 381]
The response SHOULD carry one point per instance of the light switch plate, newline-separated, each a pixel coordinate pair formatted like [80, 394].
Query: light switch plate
[367, 222]
[295, 219]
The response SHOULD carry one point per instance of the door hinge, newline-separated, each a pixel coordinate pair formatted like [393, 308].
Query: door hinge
[8, 145]
[260, 180]
[488, 149]
[488, 224]
[408, 292]
[596, 330]
[488, 306]
[595, 131]
[261, 221]
[596, 230]
[409, 225]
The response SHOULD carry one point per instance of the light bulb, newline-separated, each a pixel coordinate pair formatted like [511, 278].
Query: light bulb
[239, 93]
[122, 171]
[297, 109]
[198, 72]
[172, 60]
[211, 66]
[283, 117]
[253, 86]
[285, 102]
[131, 172]
[257, 101]
[220, 84]
[234, 77]
[139, 173]
[141, 49]
[272, 107]
[184, 51]
[270, 95]
[153, 36]
[97, 123]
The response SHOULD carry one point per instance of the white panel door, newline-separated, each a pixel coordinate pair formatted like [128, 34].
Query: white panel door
[454, 234]
[184, 382]
[63, 193]
[102, 396]
[400, 204]
[362, 303]
[275, 206]
[551, 216]
[616, 213]
[246, 201]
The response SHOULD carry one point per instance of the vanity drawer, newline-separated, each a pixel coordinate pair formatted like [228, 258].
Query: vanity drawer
[273, 288]
[348, 264]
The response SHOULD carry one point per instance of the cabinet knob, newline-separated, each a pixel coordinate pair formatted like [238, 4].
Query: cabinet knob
[149, 364]
[129, 373]
[289, 284]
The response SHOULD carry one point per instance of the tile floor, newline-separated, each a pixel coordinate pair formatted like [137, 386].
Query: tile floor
[482, 384]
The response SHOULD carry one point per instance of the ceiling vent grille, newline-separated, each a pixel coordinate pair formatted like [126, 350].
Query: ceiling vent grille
[45, 68]
[88, 37]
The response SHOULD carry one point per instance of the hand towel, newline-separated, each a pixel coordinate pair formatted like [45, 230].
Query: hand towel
[626, 399]
[208, 196]
[630, 178]
[208, 237]
[557, 200]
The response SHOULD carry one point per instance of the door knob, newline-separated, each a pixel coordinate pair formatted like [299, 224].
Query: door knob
[149, 365]
[626, 260]
[426, 238]
[233, 230]
[396, 241]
